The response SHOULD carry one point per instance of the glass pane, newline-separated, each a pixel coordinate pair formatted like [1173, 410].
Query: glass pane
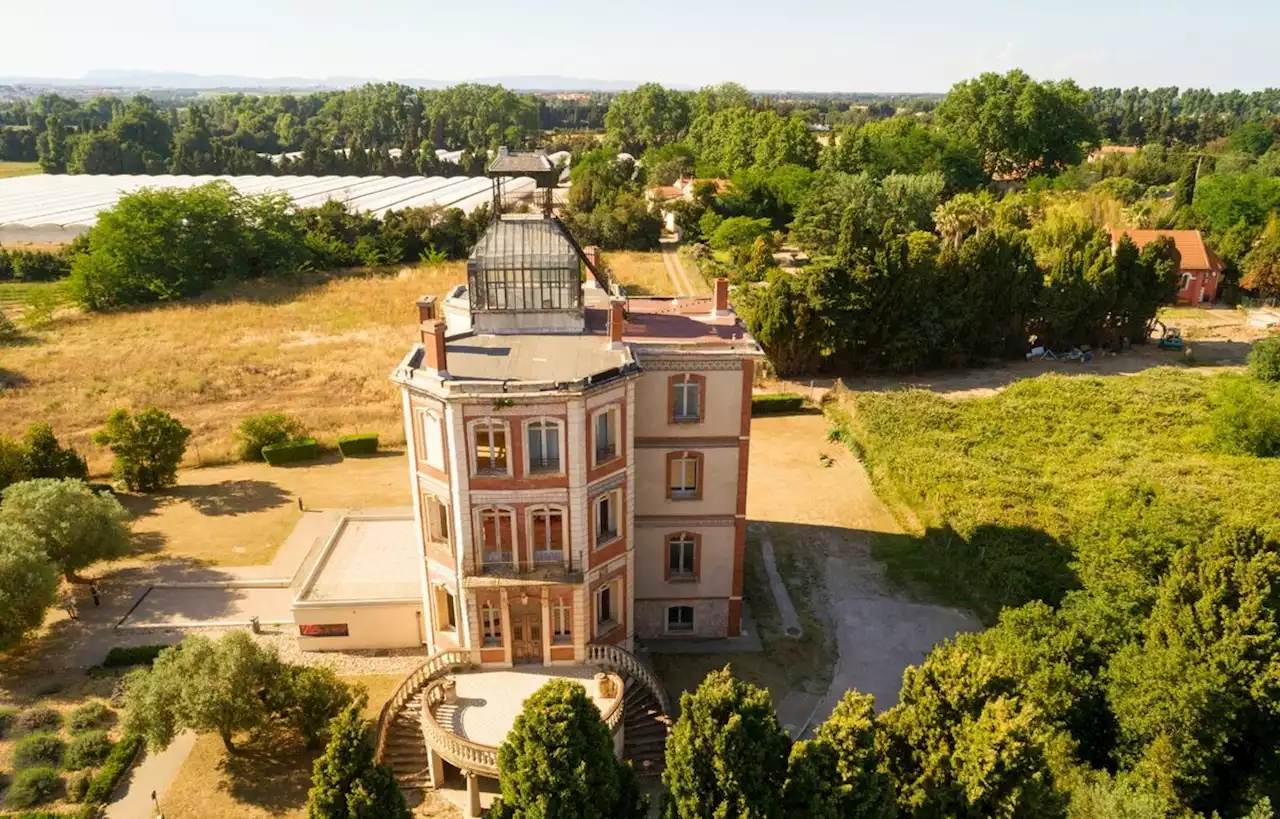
[535, 445]
[690, 474]
[499, 438]
[552, 445]
[692, 399]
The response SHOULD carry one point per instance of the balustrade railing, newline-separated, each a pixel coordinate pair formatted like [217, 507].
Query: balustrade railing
[465, 754]
[628, 665]
[435, 667]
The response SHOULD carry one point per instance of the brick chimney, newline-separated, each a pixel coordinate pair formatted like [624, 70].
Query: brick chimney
[433, 347]
[617, 322]
[593, 254]
[720, 307]
[427, 309]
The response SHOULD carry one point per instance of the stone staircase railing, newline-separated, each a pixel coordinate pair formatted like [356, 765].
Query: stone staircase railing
[465, 754]
[627, 664]
[436, 667]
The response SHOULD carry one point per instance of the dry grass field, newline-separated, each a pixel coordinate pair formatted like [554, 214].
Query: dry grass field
[321, 350]
[643, 274]
[8, 169]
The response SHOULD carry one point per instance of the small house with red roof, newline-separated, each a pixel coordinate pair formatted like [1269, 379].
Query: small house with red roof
[1200, 268]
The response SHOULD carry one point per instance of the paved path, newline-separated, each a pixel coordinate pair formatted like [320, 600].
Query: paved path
[786, 609]
[154, 773]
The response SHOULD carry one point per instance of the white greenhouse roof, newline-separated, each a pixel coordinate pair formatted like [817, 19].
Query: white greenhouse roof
[50, 208]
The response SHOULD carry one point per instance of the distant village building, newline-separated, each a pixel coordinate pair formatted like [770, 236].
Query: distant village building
[1200, 268]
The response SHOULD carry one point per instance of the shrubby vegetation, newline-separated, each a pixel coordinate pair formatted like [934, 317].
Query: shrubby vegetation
[74, 526]
[266, 429]
[346, 783]
[148, 446]
[28, 584]
[38, 455]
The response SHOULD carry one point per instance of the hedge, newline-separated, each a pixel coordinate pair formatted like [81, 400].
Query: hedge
[365, 443]
[117, 765]
[778, 402]
[303, 449]
[124, 656]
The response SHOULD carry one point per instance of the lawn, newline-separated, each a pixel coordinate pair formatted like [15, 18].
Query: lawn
[240, 514]
[8, 169]
[643, 274]
[321, 349]
[1010, 497]
[270, 777]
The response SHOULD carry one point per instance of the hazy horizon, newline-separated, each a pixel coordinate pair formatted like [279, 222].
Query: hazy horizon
[804, 45]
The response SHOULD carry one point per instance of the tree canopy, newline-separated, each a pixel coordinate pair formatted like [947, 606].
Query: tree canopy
[75, 526]
[28, 583]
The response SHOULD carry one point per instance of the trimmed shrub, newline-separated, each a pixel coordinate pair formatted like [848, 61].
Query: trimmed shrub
[90, 716]
[125, 656]
[8, 716]
[78, 785]
[39, 718]
[364, 443]
[774, 403]
[291, 452]
[267, 429]
[117, 765]
[37, 750]
[87, 750]
[1264, 360]
[33, 787]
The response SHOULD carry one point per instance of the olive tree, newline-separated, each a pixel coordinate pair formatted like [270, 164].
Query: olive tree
[28, 583]
[75, 526]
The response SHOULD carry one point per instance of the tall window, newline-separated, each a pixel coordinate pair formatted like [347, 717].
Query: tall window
[562, 620]
[491, 623]
[544, 446]
[606, 435]
[680, 618]
[497, 538]
[686, 399]
[436, 517]
[491, 446]
[606, 615]
[607, 517]
[547, 531]
[682, 562]
[685, 476]
[432, 438]
[446, 609]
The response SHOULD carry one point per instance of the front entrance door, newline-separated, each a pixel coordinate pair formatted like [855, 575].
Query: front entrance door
[526, 638]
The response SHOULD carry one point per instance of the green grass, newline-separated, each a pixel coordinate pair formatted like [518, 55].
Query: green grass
[1018, 496]
[8, 169]
[15, 295]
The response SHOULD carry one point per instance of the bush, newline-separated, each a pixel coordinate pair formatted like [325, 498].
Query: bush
[125, 656]
[365, 443]
[117, 765]
[148, 447]
[776, 403]
[1264, 360]
[37, 750]
[33, 787]
[266, 429]
[304, 449]
[38, 266]
[39, 718]
[7, 718]
[90, 716]
[1246, 420]
[8, 330]
[78, 785]
[87, 750]
[46, 458]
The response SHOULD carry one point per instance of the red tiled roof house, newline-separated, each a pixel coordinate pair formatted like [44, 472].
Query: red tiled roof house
[1201, 269]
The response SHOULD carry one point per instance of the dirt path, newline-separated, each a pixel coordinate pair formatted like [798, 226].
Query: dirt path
[878, 633]
[679, 278]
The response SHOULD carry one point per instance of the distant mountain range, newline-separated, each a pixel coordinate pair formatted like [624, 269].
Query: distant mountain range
[113, 78]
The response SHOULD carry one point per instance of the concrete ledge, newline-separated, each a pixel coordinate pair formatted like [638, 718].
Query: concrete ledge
[268, 583]
[182, 624]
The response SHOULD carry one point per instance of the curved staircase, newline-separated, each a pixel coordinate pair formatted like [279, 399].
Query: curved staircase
[401, 742]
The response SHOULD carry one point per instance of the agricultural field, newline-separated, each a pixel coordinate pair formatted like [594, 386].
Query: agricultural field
[14, 296]
[1015, 496]
[320, 348]
[8, 169]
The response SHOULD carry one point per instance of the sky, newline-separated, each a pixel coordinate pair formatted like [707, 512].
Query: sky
[812, 45]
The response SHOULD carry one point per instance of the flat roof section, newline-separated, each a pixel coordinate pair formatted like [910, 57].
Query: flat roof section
[532, 357]
[369, 559]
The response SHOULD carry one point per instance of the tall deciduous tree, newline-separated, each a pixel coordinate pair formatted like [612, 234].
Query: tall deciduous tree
[558, 760]
[75, 526]
[28, 583]
[726, 755]
[346, 783]
[1262, 264]
[1021, 126]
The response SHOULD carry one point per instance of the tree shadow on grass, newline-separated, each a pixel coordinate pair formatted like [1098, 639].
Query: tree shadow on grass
[273, 771]
[11, 380]
[232, 497]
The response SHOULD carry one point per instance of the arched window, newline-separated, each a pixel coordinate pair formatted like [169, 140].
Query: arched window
[497, 529]
[491, 623]
[684, 476]
[489, 447]
[543, 450]
[546, 532]
[680, 618]
[682, 556]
